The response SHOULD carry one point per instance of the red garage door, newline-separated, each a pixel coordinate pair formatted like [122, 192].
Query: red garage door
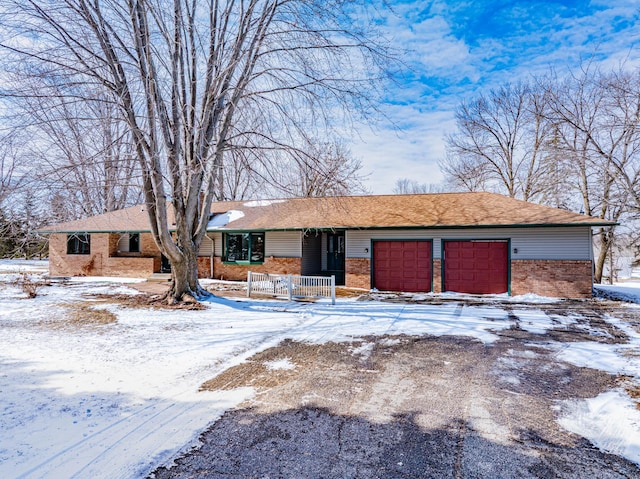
[477, 267]
[402, 265]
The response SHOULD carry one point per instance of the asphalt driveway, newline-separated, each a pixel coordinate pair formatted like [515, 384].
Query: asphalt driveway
[414, 407]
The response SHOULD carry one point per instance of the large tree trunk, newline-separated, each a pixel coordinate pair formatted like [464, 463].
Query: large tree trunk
[184, 267]
[185, 285]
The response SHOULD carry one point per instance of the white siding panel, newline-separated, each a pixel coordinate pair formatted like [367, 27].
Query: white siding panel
[206, 247]
[360, 240]
[284, 244]
[572, 243]
[552, 243]
[217, 243]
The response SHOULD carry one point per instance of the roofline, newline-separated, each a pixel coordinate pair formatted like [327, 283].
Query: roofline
[331, 228]
[377, 228]
[51, 232]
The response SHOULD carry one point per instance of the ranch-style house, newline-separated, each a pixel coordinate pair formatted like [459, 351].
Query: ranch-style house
[475, 243]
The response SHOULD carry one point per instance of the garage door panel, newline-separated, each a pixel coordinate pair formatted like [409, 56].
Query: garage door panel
[476, 267]
[402, 266]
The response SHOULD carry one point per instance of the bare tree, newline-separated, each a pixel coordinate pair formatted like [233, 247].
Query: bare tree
[406, 186]
[189, 77]
[465, 172]
[243, 175]
[597, 117]
[10, 177]
[499, 142]
[320, 169]
[83, 150]
[315, 169]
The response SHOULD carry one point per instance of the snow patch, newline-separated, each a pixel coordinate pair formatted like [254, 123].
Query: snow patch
[222, 220]
[257, 203]
[107, 279]
[24, 266]
[279, 364]
[629, 291]
[533, 298]
[611, 421]
[364, 350]
[533, 321]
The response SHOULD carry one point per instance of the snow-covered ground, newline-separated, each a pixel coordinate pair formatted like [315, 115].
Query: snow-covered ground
[628, 291]
[117, 399]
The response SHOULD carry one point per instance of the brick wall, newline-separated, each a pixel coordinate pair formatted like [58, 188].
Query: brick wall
[358, 273]
[204, 267]
[437, 276]
[128, 267]
[100, 261]
[556, 278]
[63, 264]
[238, 272]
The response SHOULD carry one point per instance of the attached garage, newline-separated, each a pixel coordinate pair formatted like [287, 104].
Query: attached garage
[402, 265]
[476, 267]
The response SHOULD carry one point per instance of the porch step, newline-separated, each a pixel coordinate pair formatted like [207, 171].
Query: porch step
[159, 277]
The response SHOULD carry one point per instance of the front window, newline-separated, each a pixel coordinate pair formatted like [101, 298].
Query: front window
[134, 243]
[245, 247]
[79, 244]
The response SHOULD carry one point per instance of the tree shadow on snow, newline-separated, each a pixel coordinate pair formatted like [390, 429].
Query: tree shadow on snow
[314, 443]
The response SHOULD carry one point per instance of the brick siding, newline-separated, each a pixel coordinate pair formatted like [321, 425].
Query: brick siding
[437, 276]
[238, 272]
[204, 267]
[101, 260]
[358, 273]
[556, 278]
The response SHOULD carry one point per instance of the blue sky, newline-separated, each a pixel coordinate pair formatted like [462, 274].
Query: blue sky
[458, 49]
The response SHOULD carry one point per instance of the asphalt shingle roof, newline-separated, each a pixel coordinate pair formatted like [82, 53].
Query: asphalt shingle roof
[442, 210]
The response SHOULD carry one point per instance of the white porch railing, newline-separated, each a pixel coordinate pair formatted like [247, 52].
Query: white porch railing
[292, 286]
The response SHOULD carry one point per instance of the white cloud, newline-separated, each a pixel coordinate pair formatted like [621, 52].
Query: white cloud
[390, 154]
[447, 70]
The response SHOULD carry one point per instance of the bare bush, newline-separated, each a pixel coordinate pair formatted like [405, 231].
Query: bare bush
[28, 285]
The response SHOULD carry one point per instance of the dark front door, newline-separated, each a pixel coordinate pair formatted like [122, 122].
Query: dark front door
[335, 256]
[165, 266]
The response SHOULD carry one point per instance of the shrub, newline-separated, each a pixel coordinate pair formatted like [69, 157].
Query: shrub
[28, 285]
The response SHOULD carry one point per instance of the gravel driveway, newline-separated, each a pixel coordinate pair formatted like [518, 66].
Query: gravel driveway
[411, 407]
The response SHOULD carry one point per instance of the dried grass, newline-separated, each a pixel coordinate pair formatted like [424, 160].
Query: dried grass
[147, 301]
[76, 316]
[255, 373]
[83, 314]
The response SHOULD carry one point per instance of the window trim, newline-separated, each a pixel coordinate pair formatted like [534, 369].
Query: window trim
[78, 244]
[250, 235]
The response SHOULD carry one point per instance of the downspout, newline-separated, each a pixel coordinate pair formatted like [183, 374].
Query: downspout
[591, 257]
[213, 252]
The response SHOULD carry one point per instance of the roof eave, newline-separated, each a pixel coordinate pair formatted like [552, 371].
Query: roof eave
[415, 227]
